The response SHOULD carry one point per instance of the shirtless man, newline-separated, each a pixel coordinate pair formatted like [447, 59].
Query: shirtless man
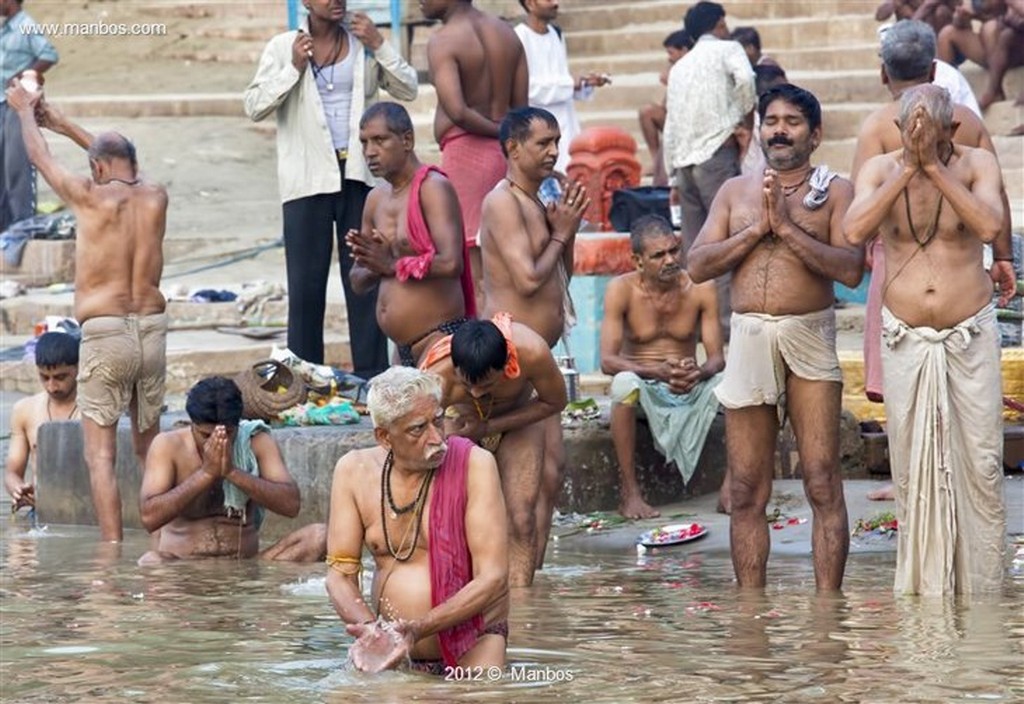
[500, 386]
[780, 234]
[118, 262]
[440, 549]
[649, 345]
[908, 60]
[57, 364]
[478, 68]
[411, 241]
[528, 258]
[206, 485]
[941, 354]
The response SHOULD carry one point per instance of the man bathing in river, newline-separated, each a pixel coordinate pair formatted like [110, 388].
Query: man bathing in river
[780, 233]
[206, 485]
[430, 511]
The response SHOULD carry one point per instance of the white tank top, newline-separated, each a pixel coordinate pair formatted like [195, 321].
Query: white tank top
[335, 83]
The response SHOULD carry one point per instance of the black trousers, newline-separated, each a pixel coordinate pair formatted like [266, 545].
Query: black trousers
[311, 226]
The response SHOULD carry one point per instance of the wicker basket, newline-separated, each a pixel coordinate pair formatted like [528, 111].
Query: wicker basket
[269, 387]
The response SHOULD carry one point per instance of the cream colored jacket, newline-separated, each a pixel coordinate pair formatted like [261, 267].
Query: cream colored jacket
[306, 160]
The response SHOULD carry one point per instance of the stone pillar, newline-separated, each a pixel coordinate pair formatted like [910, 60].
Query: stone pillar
[604, 160]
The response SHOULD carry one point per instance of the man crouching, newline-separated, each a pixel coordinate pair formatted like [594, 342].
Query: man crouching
[430, 511]
[205, 486]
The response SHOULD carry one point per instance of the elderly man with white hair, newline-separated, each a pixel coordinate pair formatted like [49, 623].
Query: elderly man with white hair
[935, 202]
[430, 511]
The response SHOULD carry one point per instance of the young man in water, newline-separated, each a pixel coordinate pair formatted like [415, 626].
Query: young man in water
[206, 485]
[57, 364]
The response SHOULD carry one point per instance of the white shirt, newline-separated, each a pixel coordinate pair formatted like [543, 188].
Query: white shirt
[306, 161]
[551, 84]
[710, 91]
[959, 89]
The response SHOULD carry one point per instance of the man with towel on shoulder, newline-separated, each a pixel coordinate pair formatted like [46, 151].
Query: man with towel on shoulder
[205, 486]
[935, 202]
[411, 242]
[429, 510]
[780, 234]
[478, 68]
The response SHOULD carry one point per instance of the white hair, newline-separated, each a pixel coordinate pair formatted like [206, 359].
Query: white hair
[936, 102]
[394, 391]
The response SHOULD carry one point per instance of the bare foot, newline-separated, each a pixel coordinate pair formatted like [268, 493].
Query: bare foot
[986, 100]
[883, 494]
[635, 507]
[1017, 131]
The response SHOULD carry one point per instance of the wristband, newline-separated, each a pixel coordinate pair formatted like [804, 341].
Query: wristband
[1002, 259]
[561, 242]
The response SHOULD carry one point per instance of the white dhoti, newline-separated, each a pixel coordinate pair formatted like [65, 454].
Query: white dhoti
[764, 349]
[943, 401]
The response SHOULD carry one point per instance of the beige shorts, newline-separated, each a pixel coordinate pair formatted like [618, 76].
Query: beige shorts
[765, 349]
[122, 358]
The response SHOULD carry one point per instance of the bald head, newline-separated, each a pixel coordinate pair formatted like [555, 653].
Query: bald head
[111, 146]
[935, 100]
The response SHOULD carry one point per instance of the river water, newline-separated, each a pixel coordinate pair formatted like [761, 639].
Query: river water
[78, 624]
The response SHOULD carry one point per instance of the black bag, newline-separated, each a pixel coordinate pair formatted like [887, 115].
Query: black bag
[629, 204]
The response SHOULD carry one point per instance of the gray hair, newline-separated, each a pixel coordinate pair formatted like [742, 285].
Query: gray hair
[936, 102]
[908, 50]
[393, 392]
[111, 145]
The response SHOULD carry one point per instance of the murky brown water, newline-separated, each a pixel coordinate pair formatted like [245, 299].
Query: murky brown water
[78, 626]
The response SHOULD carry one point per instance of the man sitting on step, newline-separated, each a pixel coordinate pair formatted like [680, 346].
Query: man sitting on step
[648, 342]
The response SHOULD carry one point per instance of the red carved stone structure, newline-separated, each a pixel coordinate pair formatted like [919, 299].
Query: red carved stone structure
[604, 160]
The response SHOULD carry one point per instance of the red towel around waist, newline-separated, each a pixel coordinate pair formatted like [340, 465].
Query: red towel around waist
[451, 565]
[416, 267]
[474, 165]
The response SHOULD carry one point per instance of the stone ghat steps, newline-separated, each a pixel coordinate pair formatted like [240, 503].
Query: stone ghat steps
[776, 34]
[191, 355]
[19, 315]
[582, 15]
[574, 14]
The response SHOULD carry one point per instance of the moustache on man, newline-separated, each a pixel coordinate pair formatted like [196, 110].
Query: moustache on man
[780, 139]
[438, 454]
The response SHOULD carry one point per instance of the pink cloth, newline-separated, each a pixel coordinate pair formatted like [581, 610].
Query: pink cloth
[873, 323]
[474, 165]
[451, 565]
[416, 267]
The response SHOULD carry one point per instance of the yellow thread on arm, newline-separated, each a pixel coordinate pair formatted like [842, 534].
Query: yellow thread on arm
[347, 566]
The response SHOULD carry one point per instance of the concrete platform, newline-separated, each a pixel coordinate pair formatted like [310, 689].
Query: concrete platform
[591, 484]
[311, 453]
[788, 496]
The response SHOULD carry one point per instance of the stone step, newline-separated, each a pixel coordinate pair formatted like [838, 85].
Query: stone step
[582, 15]
[776, 35]
[275, 10]
[191, 355]
[18, 316]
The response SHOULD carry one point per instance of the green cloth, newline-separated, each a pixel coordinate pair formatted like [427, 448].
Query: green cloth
[679, 422]
[244, 459]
